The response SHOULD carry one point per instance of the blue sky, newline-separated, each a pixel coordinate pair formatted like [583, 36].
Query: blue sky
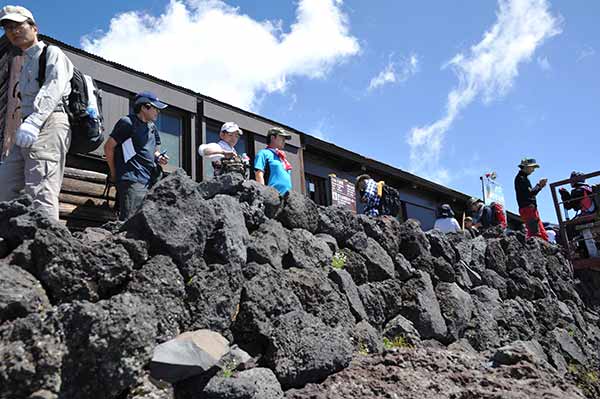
[369, 76]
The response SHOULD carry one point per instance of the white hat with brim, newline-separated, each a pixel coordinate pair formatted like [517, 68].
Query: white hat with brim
[15, 13]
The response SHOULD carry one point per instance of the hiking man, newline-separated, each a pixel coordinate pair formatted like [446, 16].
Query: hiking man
[484, 216]
[581, 197]
[133, 153]
[470, 230]
[272, 160]
[36, 127]
[223, 154]
[379, 199]
[526, 199]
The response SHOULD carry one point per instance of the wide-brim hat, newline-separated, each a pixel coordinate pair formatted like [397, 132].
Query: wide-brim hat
[525, 162]
[15, 13]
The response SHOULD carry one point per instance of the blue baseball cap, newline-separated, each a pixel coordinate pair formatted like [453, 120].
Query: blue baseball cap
[147, 97]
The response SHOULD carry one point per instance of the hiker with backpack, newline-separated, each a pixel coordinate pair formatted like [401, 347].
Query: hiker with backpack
[223, 155]
[271, 163]
[445, 222]
[485, 216]
[36, 127]
[526, 198]
[380, 199]
[581, 198]
[133, 153]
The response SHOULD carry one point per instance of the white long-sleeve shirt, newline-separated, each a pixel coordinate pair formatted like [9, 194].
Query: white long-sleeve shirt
[37, 103]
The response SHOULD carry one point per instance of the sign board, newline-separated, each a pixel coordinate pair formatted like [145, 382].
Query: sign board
[342, 192]
[492, 191]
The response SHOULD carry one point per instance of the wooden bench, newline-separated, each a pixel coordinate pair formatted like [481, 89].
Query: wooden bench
[81, 199]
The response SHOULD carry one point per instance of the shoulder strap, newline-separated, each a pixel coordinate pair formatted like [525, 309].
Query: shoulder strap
[42, 63]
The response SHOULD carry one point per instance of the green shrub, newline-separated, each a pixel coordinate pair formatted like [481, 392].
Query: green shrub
[339, 260]
[397, 342]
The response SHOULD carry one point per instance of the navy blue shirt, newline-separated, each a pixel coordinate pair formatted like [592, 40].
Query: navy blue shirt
[145, 139]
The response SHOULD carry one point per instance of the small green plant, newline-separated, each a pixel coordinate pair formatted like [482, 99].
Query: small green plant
[363, 349]
[587, 380]
[397, 342]
[228, 369]
[571, 332]
[339, 260]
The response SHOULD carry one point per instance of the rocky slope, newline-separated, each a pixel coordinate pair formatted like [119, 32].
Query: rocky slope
[409, 314]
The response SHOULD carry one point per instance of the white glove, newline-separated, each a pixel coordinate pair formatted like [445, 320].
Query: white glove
[27, 133]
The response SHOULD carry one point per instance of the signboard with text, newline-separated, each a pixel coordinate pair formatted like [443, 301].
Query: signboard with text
[342, 193]
[492, 191]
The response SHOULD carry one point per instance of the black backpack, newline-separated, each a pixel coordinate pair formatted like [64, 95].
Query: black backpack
[390, 201]
[87, 131]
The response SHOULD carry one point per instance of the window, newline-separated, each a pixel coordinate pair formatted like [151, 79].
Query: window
[316, 189]
[212, 136]
[423, 214]
[170, 126]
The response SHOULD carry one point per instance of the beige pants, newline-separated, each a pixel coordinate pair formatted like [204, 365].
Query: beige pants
[39, 170]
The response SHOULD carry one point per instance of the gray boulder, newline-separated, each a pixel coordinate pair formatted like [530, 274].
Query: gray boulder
[174, 218]
[456, 307]
[329, 240]
[109, 343]
[20, 293]
[367, 340]
[404, 269]
[495, 258]
[384, 230]
[482, 331]
[32, 353]
[264, 297]
[421, 307]
[339, 222]
[413, 241]
[268, 244]
[160, 284]
[356, 265]
[568, 346]
[258, 383]
[299, 212]
[379, 264]
[302, 349]
[346, 285]
[229, 240]
[69, 269]
[521, 351]
[307, 251]
[401, 327]
[319, 297]
[189, 354]
[441, 246]
[381, 301]
[212, 295]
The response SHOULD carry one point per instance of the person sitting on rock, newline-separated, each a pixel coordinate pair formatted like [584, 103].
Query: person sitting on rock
[223, 154]
[470, 229]
[485, 216]
[446, 223]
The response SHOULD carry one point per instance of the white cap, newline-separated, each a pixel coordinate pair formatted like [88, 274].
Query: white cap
[231, 127]
[15, 13]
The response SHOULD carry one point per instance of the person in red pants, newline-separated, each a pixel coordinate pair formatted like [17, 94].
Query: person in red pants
[526, 199]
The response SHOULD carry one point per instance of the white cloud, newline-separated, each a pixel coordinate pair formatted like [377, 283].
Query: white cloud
[544, 64]
[395, 72]
[213, 48]
[585, 52]
[488, 71]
